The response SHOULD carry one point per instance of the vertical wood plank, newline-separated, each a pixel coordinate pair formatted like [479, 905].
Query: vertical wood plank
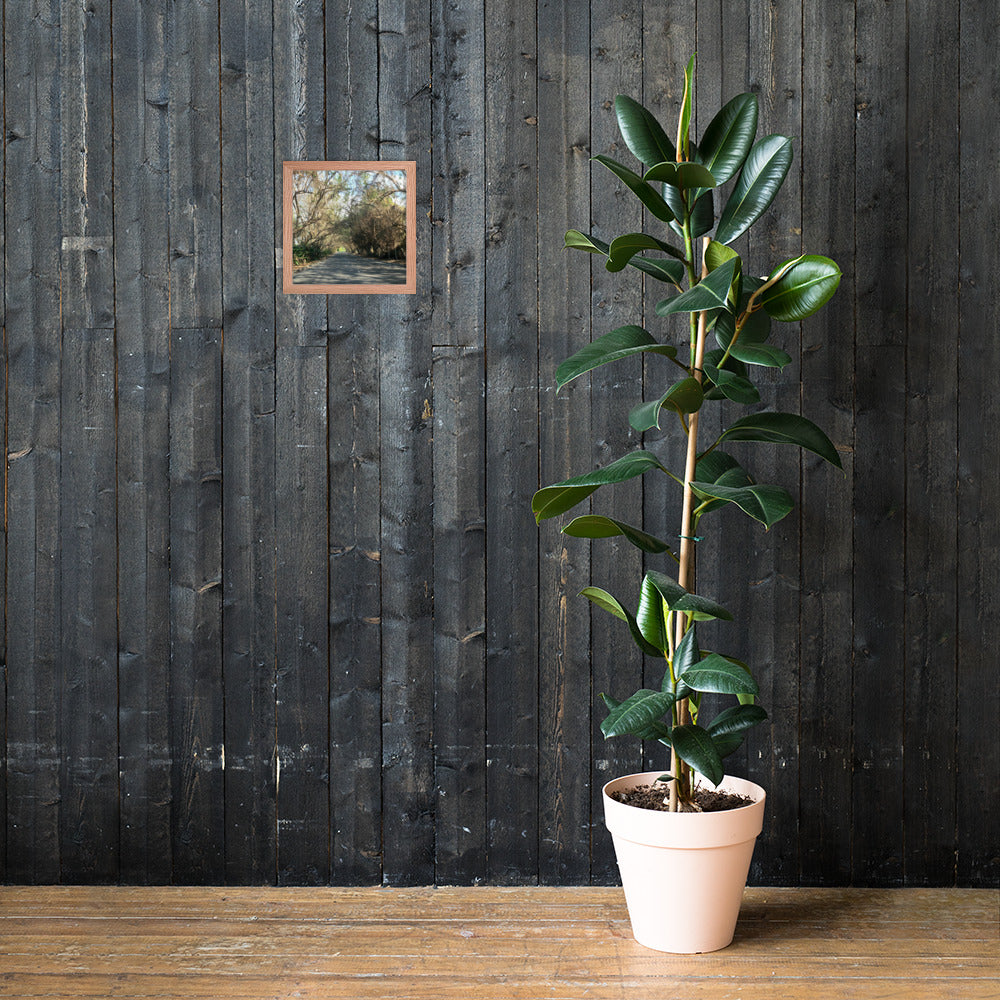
[248, 443]
[87, 272]
[407, 471]
[880, 439]
[563, 328]
[142, 338]
[193, 113]
[354, 522]
[978, 708]
[511, 320]
[458, 287]
[827, 499]
[929, 763]
[88, 699]
[32, 278]
[196, 710]
[616, 42]
[301, 478]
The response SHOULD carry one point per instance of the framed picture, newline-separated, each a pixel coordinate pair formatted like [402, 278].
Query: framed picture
[348, 227]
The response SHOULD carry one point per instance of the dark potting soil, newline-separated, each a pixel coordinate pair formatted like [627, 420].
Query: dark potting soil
[657, 797]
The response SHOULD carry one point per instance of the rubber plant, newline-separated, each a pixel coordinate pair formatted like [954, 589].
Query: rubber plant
[707, 291]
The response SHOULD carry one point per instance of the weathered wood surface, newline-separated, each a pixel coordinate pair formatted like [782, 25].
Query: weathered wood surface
[275, 608]
[797, 944]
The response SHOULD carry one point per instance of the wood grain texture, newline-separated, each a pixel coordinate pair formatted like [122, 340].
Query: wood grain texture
[568, 943]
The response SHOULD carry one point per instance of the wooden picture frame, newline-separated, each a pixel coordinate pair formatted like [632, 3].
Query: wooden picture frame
[331, 260]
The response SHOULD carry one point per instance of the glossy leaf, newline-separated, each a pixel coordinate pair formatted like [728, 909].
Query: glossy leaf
[679, 599]
[623, 248]
[718, 675]
[762, 175]
[765, 355]
[716, 254]
[646, 194]
[651, 618]
[686, 656]
[606, 602]
[702, 215]
[804, 289]
[624, 342]
[654, 731]
[767, 504]
[670, 271]
[684, 396]
[681, 175]
[575, 240]
[695, 746]
[727, 743]
[756, 329]
[732, 386]
[595, 526]
[718, 467]
[636, 713]
[684, 119]
[729, 136]
[642, 133]
[711, 292]
[736, 719]
[551, 501]
[713, 358]
[783, 428]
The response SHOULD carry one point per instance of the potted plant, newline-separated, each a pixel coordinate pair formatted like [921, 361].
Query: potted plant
[684, 864]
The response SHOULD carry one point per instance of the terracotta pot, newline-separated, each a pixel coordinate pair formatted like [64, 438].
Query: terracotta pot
[683, 873]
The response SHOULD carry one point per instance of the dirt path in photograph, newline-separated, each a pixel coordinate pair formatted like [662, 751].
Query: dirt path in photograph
[349, 269]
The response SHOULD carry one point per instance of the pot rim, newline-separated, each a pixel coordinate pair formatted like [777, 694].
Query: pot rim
[649, 777]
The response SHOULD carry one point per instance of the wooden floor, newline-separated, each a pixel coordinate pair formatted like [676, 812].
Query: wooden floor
[486, 944]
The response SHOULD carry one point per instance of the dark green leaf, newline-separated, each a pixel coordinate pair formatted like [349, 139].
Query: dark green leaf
[685, 656]
[624, 342]
[732, 386]
[767, 504]
[716, 674]
[595, 526]
[803, 289]
[684, 396]
[560, 497]
[639, 188]
[681, 175]
[783, 428]
[679, 599]
[580, 241]
[712, 292]
[642, 133]
[623, 248]
[654, 731]
[728, 138]
[766, 355]
[712, 358]
[636, 714]
[702, 215]
[736, 719]
[670, 271]
[761, 177]
[608, 603]
[727, 744]
[650, 616]
[756, 329]
[694, 746]
[719, 468]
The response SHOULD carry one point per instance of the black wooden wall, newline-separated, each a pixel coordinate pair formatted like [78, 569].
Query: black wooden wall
[275, 606]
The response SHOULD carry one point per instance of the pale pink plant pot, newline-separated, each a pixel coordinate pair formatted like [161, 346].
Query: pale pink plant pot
[684, 873]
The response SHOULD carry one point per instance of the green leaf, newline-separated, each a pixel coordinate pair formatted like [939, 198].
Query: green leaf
[717, 254]
[650, 616]
[762, 175]
[655, 731]
[732, 386]
[560, 497]
[642, 133]
[766, 355]
[702, 215]
[695, 746]
[712, 292]
[580, 241]
[727, 744]
[713, 358]
[685, 656]
[681, 175]
[804, 289]
[715, 674]
[684, 396]
[595, 526]
[684, 119]
[679, 599]
[767, 504]
[639, 188]
[637, 713]
[670, 271]
[719, 468]
[606, 602]
[736, 719]
[623, 342]
[623, 248]
[756, 329]
[728, 138]
[783, 428]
